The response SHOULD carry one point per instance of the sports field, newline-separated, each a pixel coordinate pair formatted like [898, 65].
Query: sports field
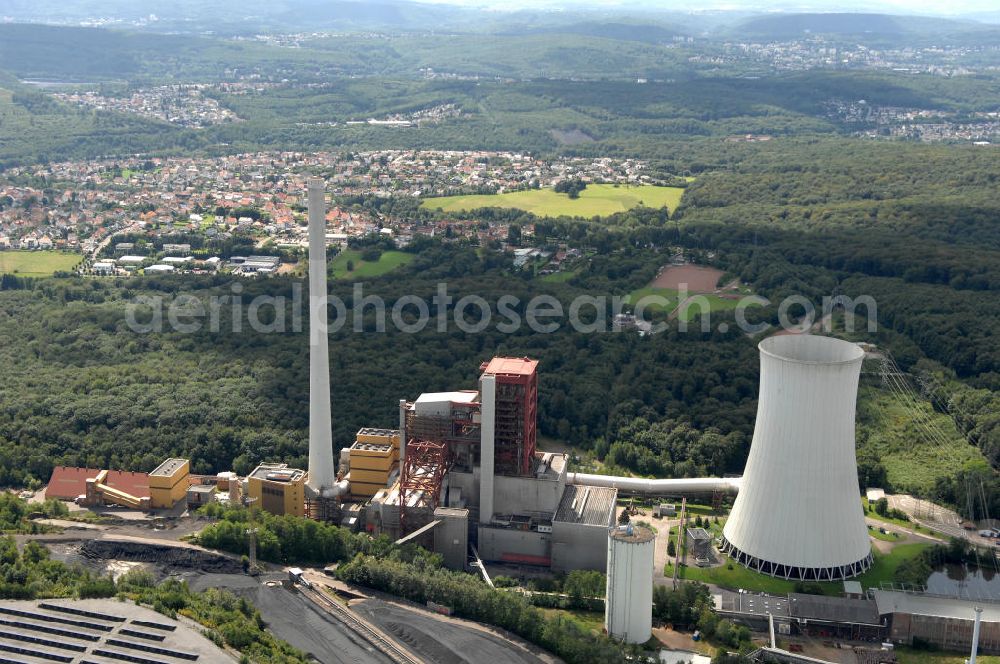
[37, 263]
[595, 200]
[696, 304]
[387, 262]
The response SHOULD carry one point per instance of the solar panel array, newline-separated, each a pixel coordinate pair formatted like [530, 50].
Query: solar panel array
[53, 632]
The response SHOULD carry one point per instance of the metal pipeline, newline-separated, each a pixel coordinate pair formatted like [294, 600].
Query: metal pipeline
[341, 488]
[685, 485]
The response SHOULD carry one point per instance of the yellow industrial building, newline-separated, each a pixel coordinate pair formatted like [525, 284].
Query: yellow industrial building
[373, 455]
[278, 489]
[168, 484]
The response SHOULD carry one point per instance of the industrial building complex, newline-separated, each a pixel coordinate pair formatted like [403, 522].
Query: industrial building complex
[460, 473]
[470, 455]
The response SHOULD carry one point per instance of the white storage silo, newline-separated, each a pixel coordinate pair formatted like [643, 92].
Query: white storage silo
[798, 514]
[628, 605]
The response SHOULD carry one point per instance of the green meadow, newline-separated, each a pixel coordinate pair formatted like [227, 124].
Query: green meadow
[37, 263]
[595, 200]
[387, 262]
[699, 305]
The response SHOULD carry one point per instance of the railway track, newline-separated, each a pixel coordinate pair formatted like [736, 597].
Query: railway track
[367, 631]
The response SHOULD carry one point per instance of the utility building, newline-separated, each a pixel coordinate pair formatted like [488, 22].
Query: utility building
[945, 622]
[699, 543]
[278, 489]
[168, 483]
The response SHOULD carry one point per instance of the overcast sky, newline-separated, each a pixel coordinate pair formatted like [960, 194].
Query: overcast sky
[896, 6]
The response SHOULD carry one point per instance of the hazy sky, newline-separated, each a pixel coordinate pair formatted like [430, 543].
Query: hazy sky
[895, 6]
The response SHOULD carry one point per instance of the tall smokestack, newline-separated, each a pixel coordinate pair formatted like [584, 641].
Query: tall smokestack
[321, 469]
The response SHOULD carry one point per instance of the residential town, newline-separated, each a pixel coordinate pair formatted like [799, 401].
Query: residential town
[254, 203]
[184, 105]
[920, 124]
[821, 53]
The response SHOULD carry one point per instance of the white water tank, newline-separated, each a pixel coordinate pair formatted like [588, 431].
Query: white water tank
[798, 513]
[628, 606]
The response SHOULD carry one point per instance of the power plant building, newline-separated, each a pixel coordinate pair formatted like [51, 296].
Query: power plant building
[944, 622]
[582, 520]
[475, 451]
[463, 456]
[798, 513]
[168, 483]
[372, 459]
[278, 489]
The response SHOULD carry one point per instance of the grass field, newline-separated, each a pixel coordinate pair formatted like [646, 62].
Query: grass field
[655, 306]
[887, 536]
[916, 445]
[910, 656]
[387, 262]
[37, 263]
[558, 277]
[883, 569]
[693, 308]
[588, 619]
[595, 200]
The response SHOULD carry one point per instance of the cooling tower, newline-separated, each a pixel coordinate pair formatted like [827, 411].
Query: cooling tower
[321, 468]
[798, 513]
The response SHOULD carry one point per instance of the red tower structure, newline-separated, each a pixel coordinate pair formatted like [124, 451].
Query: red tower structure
[516, 413]
[424, 468]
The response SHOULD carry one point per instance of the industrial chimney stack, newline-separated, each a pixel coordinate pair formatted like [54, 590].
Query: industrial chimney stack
[321, 469]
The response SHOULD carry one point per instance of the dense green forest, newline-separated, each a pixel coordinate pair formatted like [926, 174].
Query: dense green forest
[83, 389]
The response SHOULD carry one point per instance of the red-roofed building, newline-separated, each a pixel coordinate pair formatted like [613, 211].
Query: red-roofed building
[516, 413]
[67, 482]
[510, 366]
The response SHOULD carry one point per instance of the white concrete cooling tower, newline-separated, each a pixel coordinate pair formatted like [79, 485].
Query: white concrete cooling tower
[798, 514]
[322, 476]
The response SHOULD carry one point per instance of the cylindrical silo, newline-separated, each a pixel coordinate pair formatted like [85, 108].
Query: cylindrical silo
[798, 513]
[628, 605]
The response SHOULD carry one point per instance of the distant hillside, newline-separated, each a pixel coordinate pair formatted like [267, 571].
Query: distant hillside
[37, 51]
[649, 34]
[243, 16]
[790, 26]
